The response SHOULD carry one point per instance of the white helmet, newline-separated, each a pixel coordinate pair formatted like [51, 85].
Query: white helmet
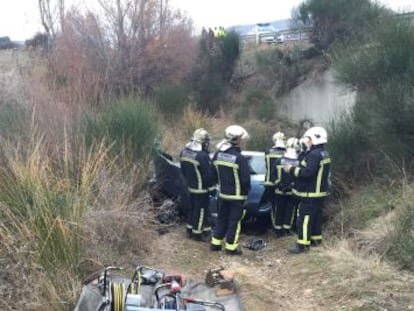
[201, 135]
[279, 140]
[317, 134]
[293, 143]
[292, 148]
[235, 132]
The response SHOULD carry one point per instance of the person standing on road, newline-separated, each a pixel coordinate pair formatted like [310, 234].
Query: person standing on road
[311, 187]
[271, 156]
[196, 167]
[233, 175]
[283, 212]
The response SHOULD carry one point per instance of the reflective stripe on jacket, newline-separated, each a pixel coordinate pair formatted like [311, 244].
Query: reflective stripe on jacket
[313, 173]
[196, 168]
[271, 156]
[232, 174]
[284, 181]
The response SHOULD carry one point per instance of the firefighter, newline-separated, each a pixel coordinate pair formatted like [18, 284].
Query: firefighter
[283, 212]
[196, 167]
[311, 187]
[233, 175]
[303, 149]
[271, 155]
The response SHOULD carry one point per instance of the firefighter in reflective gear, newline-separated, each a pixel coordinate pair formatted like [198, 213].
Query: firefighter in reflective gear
[233, 175]
[303, 149]
[196, 167]
[311, 187]
[271, 155]
[282, 215]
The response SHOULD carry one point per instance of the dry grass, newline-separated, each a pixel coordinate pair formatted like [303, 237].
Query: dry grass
[175, 135]
[335, 277]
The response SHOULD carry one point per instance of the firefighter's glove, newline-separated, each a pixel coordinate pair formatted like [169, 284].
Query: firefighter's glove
[287, 168]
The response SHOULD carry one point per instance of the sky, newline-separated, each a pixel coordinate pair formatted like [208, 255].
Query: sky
[19, 19]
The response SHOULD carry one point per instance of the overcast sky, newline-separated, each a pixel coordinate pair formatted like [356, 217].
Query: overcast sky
[19, 19]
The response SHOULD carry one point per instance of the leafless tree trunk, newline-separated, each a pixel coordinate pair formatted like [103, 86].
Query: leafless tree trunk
[52, 15]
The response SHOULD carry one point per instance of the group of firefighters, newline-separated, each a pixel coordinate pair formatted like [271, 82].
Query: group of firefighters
[297, 179]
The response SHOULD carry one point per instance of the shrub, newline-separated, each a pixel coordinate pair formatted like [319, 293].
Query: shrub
[171, 100]
[261, 136]
[282, 68]
[383, 73]
[337, 20]
[348, 146]
[213, 70]
[129, 124]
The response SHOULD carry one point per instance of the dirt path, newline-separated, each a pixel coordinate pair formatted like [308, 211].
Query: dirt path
[265, 277]
[270, 279]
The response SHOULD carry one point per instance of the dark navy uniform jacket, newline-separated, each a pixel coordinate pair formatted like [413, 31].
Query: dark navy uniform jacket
[196, 167]
[232, 173]
[313, 173]
[271, 156]
[284, 182]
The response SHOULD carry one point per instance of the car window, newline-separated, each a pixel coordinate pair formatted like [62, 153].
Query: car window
[257, 164]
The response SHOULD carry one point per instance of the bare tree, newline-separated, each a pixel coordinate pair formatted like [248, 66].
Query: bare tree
[52, 15]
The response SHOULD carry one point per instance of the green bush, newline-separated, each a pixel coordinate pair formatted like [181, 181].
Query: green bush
[265, 112]
[130, 125]
[383, 73]
[348, 146]
[171, 100]
[213, 71]
[282, 68]
[210, 90]
[261, 137]
[337, 20]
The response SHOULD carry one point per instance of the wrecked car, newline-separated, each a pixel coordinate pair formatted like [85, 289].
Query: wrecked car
[171, 183]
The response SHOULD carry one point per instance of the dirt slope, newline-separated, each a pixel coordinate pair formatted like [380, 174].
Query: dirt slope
[327, 278]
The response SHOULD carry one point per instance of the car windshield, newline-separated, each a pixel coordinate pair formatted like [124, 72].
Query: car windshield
[257, 164]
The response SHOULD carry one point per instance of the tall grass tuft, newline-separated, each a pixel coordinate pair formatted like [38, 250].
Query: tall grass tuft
[401, 237]
[14, 121]
[43, 202]
[129, 124]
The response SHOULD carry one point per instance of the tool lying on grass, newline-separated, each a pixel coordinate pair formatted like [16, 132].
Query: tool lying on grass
[222, 279]
[149, 289]
[173, 299]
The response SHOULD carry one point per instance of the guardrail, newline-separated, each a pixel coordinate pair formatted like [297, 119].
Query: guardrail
[259, 38]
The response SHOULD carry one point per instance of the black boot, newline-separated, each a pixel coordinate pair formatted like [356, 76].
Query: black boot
[215, 248]
[316, 243]
[298, 249]
[196, 237]
[279, 233]
[206, 236]
[236, 252]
